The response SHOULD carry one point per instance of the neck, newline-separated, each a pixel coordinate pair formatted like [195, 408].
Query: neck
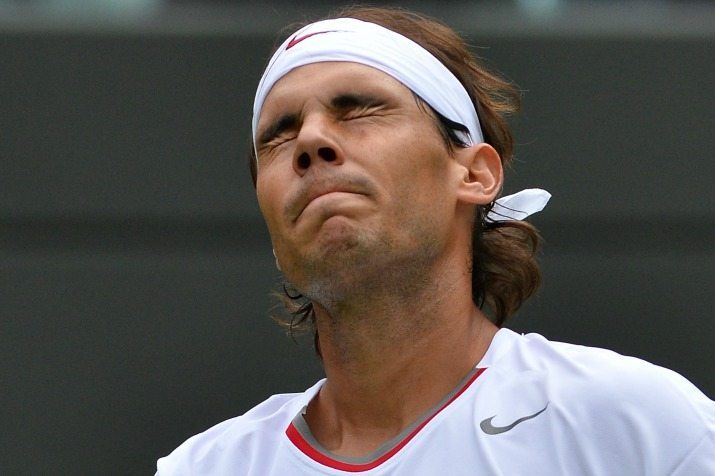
[389, 362]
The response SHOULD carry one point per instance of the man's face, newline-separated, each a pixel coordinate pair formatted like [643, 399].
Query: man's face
[354, 178]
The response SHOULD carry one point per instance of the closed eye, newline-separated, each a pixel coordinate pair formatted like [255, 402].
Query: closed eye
[347, 106]
[278, 131]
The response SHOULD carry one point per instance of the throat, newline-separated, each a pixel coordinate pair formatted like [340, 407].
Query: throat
[377, 389]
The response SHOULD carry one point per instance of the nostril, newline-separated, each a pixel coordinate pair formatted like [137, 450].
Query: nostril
[303, 161]
[327, 154]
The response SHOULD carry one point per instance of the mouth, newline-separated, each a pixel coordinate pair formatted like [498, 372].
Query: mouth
[320, 196]
[309, 194]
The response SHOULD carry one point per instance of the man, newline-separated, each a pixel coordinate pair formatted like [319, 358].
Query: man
[379, 152]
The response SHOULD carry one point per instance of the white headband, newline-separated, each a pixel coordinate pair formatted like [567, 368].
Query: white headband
[357, 41]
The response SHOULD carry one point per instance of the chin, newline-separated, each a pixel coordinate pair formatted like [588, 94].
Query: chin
[338, 235]
[334, 259]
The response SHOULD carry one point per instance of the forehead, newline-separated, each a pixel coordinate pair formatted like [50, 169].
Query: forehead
[324, 79]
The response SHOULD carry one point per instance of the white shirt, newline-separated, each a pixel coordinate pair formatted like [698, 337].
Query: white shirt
[531, 406]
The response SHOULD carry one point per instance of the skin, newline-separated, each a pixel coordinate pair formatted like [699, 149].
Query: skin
[370, 217]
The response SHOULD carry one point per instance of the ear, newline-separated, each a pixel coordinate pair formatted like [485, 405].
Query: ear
[481, 174]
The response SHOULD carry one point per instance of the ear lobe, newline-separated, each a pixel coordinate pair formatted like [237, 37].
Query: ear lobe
[482, 174]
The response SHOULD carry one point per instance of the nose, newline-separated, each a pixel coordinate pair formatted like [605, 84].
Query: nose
[316, 145]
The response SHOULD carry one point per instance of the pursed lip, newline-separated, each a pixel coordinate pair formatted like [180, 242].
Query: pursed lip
[305, 196]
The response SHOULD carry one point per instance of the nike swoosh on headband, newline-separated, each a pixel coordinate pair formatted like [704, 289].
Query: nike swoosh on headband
[296, 39]
[489, 429]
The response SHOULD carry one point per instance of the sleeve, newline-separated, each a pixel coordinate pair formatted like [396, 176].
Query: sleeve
[701, 460]
[681, 424]
[649, 419]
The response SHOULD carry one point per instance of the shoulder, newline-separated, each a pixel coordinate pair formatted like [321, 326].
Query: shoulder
[600, 377]
[234, 442]
[601, 396]
[601, 374]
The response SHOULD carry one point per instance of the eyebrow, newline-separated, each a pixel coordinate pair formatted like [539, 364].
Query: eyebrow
[355, 100]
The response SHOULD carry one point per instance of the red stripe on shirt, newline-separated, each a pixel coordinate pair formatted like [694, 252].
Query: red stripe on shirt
[297, 439]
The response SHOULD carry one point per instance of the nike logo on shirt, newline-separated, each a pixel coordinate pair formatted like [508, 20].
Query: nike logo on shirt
[489, 429]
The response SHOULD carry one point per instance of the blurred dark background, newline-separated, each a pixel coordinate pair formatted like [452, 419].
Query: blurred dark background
[135, 269]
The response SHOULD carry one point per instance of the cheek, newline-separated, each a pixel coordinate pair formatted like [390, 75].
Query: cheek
[422, 165]
[268, 198]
